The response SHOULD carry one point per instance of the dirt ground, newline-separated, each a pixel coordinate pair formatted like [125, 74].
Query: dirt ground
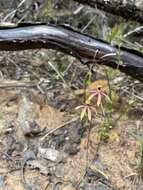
[44, 145]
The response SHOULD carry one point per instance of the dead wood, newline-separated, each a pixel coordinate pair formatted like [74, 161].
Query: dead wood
[86, 48]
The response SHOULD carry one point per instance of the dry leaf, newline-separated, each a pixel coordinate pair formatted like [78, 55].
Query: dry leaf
[102, 84]
[50, 117]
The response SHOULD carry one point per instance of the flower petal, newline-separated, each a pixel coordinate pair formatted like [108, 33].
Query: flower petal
[106, 96]
[92, 91]
[83, 113]
[78, 107]
[89, 113]
[91, 96]
[99, 99]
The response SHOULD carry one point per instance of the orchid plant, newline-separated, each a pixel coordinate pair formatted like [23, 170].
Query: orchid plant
[90, 107]
[87, 108]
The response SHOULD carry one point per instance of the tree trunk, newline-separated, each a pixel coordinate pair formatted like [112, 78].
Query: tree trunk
[127, 9]
[86, 48]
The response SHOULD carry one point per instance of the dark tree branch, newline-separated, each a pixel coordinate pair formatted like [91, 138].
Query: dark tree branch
[126, 9]
[86, 48]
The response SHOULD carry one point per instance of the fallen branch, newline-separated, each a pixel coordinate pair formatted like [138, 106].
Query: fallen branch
[16, 84]
[86, 48]
[126, 9]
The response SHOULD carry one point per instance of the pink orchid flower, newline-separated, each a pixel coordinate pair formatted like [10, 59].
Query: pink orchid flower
[99, 94]
[87, 110]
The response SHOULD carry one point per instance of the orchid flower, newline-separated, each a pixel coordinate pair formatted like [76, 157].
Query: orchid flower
[86, 110]
[99, 93]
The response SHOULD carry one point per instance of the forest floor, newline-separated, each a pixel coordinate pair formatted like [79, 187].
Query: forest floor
[43, 143]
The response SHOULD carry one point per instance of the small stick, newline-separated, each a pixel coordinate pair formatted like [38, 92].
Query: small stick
[59, 127]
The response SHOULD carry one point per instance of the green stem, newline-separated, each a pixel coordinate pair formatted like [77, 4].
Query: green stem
[87, 146]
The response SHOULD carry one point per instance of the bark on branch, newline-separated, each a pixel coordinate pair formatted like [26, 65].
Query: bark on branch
[86, 48]
[126, 9]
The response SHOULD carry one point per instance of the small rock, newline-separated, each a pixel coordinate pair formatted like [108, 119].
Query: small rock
[27, 116]
[101, 186]
[38, 164]
[89, 187]
[57, 186]
[117, 80]
[140, 186]
[31, 128]
[71, 149]
[59, 140]
[29, 155]
[2, 181]
[51, 154]
[68, 187]
[60, 170]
